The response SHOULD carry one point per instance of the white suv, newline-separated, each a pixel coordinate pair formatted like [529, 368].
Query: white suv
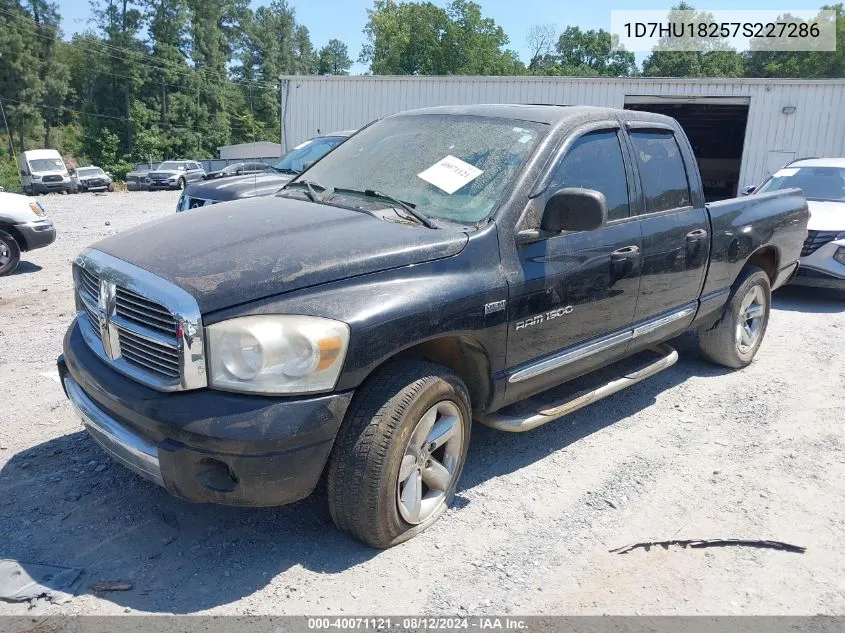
[823, 183]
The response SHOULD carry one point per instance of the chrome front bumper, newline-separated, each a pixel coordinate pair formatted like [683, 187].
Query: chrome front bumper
[121, 443]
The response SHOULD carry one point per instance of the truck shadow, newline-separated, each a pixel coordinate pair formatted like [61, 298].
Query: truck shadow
[488, 445]
[812, 300]
[65, 503]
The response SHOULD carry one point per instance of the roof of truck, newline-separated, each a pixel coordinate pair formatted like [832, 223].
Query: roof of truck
[538, 113]
[35, 154]
[818, 162]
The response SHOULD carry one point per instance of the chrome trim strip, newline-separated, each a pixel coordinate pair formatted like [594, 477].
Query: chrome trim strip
[570, 356]
[594, 347]
[183, 307]
[131, 450]
[520, 423]
[647, 328]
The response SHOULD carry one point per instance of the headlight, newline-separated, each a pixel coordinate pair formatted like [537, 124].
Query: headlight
[37, 209]
[839, 255]
[276, 354]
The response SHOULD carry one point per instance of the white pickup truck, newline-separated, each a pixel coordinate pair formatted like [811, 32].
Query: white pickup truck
[24, 226]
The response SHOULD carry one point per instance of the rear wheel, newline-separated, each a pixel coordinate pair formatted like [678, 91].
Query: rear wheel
[735, 338]
[399, 453]
[10, 254]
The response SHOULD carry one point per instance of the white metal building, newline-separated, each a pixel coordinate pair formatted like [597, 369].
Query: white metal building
[741, 129]
[249, 151]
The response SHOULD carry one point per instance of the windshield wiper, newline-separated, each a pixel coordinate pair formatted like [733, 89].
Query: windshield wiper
[309, 188]
[285, 170]
[408, 208]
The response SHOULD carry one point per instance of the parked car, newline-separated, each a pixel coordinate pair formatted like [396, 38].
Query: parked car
[175, 174]
[24, 226]
[823, 182]
[274, 177]
[237, 169]
[138, 180]
[440, 266]
[43, 171]
[91, 179]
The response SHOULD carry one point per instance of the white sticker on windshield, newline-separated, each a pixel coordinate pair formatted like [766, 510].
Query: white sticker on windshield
[786, 172]
[525, 138]
[450, 174]
[303, 144]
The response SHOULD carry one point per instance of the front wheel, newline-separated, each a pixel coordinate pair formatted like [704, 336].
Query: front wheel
[181, 184]
[399, 453]
[10, 254]
[735, 338]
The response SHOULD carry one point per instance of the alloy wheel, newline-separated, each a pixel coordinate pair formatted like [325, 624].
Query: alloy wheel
[429, 463]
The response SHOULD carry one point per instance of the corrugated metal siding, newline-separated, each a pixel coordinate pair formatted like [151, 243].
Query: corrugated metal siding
[817, 128]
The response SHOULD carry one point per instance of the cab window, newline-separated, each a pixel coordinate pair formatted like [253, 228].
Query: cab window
[594, 161]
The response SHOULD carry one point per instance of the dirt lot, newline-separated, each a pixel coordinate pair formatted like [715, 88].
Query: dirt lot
[696, 452]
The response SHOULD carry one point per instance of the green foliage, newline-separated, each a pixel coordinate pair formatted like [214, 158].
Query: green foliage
[334, 59]
[760, 62]
[420, 38]
[584, 53]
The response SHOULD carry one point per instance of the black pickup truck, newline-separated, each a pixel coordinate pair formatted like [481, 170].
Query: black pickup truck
[442, 266]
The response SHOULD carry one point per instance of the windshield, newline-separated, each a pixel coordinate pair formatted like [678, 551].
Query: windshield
[172, 167]
[818, 183]
[90, 171]
[308, 152]
[454, 167]
[46, 164]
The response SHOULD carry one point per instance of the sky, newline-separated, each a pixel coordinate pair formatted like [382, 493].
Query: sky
[345, 19]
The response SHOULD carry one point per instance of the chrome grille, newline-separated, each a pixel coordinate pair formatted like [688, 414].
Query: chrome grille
[157, 357]
[816, 239]
[144, 312]
[145, 327]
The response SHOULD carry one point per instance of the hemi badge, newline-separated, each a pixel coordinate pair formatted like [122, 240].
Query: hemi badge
[496, 306]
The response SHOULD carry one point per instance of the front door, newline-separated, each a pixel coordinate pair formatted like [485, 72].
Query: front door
[576, 287]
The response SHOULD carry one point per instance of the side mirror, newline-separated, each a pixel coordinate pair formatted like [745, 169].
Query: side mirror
[574, 209]
[747, 191]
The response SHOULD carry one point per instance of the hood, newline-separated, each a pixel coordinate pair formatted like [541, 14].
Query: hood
[251, 249]
[826, 216]
[237, 187]
[167, 173]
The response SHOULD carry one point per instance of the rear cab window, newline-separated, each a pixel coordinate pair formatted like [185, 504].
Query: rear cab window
[662, 171]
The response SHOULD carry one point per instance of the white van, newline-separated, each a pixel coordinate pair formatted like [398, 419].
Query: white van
[42, 171]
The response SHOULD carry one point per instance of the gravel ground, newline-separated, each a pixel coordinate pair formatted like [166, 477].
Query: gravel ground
[695, 452]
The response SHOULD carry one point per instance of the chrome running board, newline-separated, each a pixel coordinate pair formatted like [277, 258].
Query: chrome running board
[519, 423]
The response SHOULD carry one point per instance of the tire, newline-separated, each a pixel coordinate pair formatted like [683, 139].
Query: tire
[180, 184]
[734, 339]
[385, 431]
[110, 187]
[10, 254]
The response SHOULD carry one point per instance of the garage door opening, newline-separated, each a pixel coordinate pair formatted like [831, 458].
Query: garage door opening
[716, 129]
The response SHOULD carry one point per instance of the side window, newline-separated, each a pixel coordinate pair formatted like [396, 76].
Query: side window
[594, 161]
[662, 171]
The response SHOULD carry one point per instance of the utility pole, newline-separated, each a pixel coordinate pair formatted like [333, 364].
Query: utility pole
[9, 134]
[284, 86]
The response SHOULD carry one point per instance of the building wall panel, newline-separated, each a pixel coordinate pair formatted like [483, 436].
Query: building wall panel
[817, 128]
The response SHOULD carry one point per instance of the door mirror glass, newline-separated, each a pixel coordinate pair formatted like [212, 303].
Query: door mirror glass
[747, 191]
[574, 209]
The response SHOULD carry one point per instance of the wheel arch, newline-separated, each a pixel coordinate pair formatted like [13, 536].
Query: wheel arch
[11, 230]
[766, 258]
[463, 354]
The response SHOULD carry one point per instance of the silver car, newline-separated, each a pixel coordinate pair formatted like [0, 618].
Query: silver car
[175, 174]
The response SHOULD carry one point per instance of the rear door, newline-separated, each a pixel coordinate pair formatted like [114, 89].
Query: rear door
[675, 228]
[576, 287]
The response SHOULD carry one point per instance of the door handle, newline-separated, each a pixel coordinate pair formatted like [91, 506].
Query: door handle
[625, 253]
[696, 235]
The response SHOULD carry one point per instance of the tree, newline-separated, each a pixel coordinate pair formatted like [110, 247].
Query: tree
[420, 38]
[541, 41]
[589, 53]
[20, 79]
[760, 62]
[693, 56]
[334, 59]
